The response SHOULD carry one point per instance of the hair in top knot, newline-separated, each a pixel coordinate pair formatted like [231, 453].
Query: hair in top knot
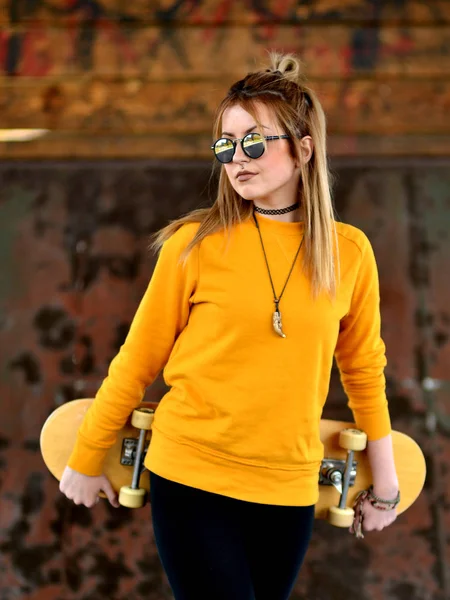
[276, 72]
[288, 66]
[283, 79]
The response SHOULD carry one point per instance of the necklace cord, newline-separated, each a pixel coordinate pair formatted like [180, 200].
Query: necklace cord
[275, 299]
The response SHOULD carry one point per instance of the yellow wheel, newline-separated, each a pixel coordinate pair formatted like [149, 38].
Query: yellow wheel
[131, 498]
[142, 418]
[341, 517]
[353, 439]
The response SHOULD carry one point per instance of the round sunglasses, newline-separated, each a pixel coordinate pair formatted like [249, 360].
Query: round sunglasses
[252, 146]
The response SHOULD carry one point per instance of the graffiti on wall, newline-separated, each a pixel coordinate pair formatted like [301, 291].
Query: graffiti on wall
[45, 38]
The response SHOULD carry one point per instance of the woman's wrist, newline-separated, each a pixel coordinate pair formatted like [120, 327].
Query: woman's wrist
[382, 503]
[387, 491]
[382, 464]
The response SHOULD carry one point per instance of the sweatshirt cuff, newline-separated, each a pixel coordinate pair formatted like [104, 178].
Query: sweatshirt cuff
[375, 425]
[87, 459]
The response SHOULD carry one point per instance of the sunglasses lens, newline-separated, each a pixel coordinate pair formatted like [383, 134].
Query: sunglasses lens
[253, 145]
[224, 150]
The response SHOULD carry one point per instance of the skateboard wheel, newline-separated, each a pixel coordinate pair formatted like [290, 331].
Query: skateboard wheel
[142, 418]
[341, 517]
[131, 498]
[353, 439]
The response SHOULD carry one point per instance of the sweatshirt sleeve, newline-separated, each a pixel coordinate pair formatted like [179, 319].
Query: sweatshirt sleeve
[360, 351]
[161, 316]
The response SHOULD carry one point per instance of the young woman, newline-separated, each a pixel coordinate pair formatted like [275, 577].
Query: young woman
[249, 302]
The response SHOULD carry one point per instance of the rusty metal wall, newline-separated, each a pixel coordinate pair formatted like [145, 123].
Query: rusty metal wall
[73, 247]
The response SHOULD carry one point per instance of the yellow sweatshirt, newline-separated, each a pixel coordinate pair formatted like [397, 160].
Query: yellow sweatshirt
[241, 417]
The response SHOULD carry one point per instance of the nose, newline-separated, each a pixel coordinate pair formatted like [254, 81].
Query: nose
[239, 155]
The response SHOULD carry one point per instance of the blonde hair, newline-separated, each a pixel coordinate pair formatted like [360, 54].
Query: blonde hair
[298, 110]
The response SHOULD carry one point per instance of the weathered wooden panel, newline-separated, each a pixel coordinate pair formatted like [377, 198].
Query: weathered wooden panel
[362, 116]
[73, 237]
[170, 53]
[187, 147]
[212, 12]
[140, 107]
[119, 71]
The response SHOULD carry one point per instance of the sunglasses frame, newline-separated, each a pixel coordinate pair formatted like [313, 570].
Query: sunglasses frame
[268, 138]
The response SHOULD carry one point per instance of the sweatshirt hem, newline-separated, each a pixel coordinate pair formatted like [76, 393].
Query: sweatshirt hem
[191, 466]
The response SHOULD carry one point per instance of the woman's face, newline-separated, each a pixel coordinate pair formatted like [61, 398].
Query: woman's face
[274, 179]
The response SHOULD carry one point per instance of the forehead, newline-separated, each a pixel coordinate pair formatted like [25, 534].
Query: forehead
[236, 119]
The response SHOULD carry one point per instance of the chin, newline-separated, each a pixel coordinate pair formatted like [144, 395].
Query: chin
[249, 194]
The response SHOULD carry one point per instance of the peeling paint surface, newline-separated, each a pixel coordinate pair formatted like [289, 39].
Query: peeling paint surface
[73, 243]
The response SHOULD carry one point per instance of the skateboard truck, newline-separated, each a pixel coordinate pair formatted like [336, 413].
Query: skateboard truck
[338, 473]
[133, 496]
[332, 473]
[129, 450]
[352, 440]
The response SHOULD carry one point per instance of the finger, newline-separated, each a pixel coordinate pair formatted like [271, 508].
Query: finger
[63, 488]
[367, 526]
[110, 493]
[92, 503]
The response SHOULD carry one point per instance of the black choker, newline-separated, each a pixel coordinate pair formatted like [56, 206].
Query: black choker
[276, 211]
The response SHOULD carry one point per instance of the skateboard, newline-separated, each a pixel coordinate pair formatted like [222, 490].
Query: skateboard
[344, 471]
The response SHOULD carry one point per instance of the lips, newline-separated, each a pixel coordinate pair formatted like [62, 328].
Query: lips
[244, 175]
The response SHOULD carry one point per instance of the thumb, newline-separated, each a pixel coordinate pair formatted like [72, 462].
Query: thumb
[110, 493]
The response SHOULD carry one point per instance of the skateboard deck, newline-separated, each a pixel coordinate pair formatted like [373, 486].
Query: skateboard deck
[60, 429]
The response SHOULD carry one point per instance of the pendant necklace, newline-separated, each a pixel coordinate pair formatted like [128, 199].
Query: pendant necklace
[276, 317]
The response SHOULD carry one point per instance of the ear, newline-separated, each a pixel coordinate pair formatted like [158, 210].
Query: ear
[306, 150]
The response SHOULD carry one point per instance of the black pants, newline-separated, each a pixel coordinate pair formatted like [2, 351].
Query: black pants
[213, 547]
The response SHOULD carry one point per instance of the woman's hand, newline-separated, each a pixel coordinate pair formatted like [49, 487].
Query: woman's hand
[84, 489]
[375, 519]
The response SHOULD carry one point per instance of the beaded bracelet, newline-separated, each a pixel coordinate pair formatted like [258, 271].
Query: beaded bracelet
[381, 504]
[375, 501]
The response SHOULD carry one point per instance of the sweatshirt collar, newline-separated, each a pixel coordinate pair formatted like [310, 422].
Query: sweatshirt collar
[277, 227]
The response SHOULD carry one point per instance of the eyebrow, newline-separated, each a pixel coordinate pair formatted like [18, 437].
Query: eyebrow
[247, 132]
